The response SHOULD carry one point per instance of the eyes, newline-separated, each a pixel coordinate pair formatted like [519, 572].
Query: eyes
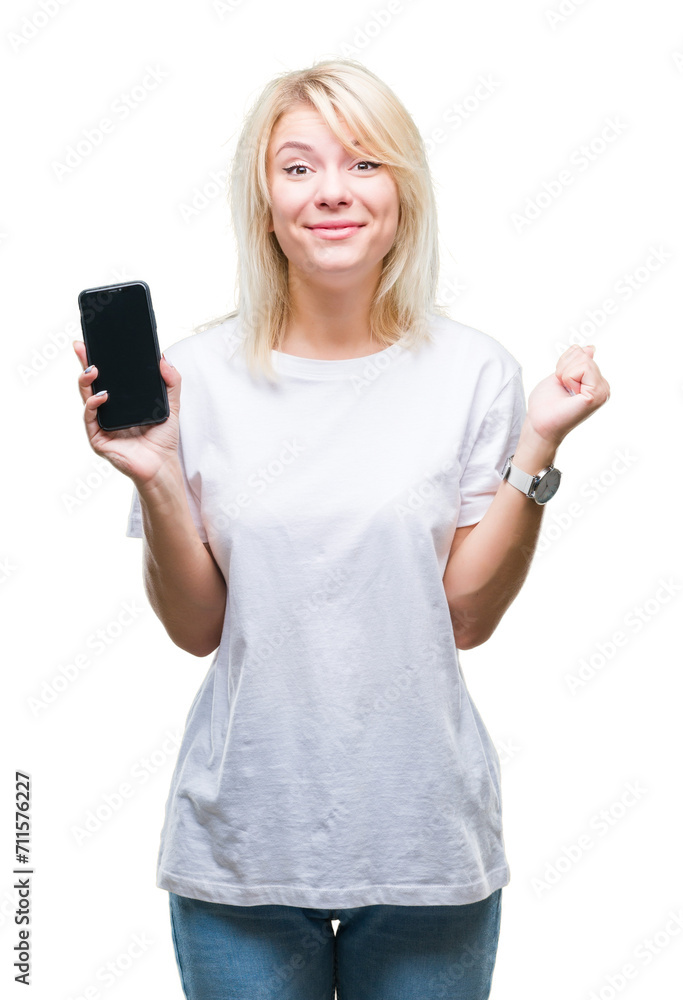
[296, 166]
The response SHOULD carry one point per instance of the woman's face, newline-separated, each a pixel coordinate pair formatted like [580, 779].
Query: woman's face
[328, 186]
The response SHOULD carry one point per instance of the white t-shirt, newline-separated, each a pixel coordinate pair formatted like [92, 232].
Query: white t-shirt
[332, 756]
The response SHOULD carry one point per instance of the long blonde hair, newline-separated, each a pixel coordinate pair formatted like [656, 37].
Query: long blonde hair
[406, 291]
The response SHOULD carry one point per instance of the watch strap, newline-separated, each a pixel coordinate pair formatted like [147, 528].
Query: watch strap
[521, 480]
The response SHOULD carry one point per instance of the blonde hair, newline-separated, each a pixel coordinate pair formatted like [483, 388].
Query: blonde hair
[406, 291]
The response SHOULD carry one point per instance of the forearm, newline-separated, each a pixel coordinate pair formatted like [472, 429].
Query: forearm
[487, 570]
[183, 583]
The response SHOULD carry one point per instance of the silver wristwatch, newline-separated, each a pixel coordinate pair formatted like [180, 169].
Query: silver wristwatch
[540, 488]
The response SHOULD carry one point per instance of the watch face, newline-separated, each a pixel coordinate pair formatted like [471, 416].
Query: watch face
[547, 488]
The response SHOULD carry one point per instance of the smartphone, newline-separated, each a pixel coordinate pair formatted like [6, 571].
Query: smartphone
[120, 336]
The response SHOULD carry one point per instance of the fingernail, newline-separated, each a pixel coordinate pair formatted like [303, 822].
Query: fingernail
[102, 392]
[169, 363]
[86, 370]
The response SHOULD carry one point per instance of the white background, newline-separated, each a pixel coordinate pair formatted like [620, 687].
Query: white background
[609, 538]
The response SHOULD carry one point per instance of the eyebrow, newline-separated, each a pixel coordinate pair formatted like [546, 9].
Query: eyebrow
[293, 144]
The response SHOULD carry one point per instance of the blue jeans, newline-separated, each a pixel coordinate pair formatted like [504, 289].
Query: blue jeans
[379, 952]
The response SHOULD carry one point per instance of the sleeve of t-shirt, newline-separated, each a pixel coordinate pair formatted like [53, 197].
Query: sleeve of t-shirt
[496, 439]
[134, 528]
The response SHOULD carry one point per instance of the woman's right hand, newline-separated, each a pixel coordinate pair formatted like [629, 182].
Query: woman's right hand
[139, 452]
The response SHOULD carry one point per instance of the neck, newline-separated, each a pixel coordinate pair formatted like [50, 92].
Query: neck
[330, 320]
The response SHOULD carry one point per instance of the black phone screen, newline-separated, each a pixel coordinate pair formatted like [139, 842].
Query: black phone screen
[119, 331]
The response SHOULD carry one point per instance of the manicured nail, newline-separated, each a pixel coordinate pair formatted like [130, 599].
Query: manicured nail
[86, 370]
[169, 363]
[102, 392]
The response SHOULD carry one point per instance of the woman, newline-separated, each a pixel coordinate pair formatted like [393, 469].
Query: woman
[326, 514]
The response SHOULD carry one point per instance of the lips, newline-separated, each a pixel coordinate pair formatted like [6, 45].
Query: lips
[335, 230]
[336, 224]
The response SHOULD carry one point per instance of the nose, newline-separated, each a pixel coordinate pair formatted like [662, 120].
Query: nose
[332, 189]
